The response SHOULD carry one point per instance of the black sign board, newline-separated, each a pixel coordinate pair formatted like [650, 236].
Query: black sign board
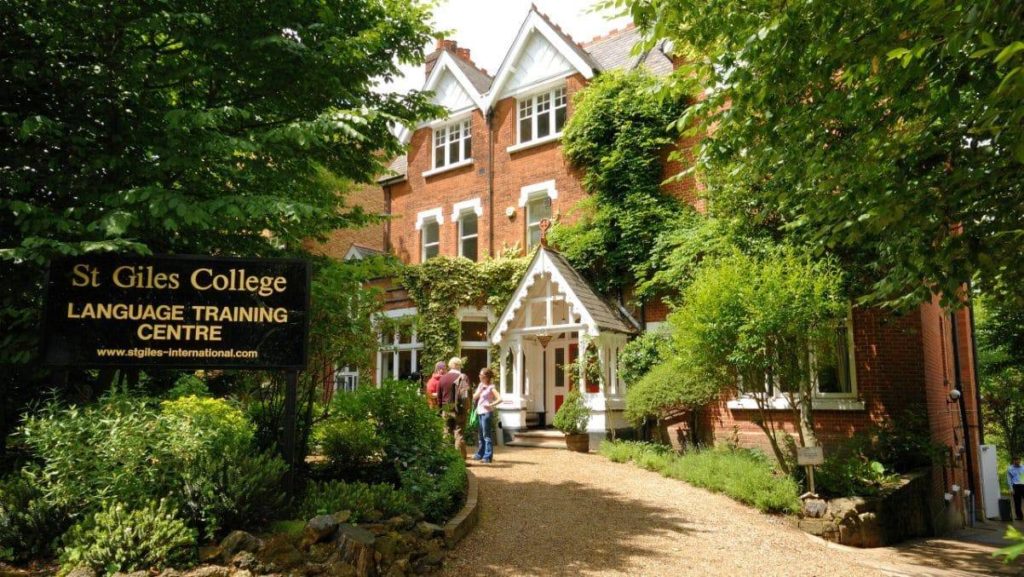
[177, 312]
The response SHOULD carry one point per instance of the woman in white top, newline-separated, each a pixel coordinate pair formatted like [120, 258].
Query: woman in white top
[486, 398]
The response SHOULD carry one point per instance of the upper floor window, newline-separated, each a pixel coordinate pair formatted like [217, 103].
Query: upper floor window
[468, 236]
[453, 143]
[430, 239]
[542, 115]
[537, 209]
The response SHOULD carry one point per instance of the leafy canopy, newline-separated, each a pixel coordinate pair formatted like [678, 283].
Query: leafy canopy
[887, 132]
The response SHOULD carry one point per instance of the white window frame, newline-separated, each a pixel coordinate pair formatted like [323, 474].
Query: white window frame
[461, 209]
[348, 375]
[390, 352]
[428, 217]
[476, 315]
[847, 401]
[557, 97]
[531, 193]
[463, 129]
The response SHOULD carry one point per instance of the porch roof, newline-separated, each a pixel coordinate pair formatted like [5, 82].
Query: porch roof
[595, 311]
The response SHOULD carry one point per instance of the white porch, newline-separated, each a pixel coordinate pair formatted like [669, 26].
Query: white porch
[554, 319]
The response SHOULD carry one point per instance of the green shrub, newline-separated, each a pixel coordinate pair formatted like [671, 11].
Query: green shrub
[111, 451]
[349, 444]
[188, 385]
[847, 473]
[747, 476]
[29, 525]
[438, 496]
[365, 501]
[121, 539]
[411, 434]
[642, 354]
[574, 415]
[197, 426]
[904, 443]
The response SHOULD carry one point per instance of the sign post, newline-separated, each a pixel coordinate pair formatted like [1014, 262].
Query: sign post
[809, 457]
[180, 312]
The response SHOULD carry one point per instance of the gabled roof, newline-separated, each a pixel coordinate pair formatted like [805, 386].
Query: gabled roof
[359, 252]
[448, 62]
[597, 313]
[396, 171]
[536, 22]
[615, 52]
[478, 78]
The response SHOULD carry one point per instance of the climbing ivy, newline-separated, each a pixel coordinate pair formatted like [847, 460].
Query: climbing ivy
[442, 285]
[617, 135]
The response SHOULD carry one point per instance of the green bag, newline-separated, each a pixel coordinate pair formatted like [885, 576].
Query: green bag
[472, 418]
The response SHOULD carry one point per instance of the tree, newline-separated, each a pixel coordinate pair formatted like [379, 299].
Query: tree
[888, 133]
[765, 325]
[616, 135]
[1001, 361]
[183, 126]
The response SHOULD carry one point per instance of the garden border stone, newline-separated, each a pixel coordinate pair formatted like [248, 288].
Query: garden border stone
[461, 524]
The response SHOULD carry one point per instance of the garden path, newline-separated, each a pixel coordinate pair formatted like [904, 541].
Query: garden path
[549, 513]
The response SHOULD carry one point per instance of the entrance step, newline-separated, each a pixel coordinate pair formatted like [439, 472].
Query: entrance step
[544, 438]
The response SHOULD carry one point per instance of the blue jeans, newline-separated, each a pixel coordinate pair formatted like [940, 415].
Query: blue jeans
[486, 450]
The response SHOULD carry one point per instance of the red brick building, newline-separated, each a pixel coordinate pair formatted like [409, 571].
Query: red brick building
[478, 183]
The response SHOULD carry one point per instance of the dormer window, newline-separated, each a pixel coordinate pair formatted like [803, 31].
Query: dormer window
[453, 144]
[542, 115]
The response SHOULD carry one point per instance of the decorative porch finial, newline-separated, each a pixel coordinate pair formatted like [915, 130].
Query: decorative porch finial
[544, 225]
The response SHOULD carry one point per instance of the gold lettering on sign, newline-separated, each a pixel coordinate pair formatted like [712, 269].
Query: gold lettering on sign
[151, 332]
[237, 280]
[85, 276]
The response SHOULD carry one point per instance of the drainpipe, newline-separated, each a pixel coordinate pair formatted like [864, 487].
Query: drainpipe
[489, 117]
[974, 365]
[387, 223]
[968, 449]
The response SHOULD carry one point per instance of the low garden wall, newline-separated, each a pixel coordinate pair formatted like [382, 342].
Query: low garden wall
[903, 513]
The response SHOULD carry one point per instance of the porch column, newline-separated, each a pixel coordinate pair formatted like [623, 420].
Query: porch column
[614, 370]
[517, 379]
[506, 385]
[582, 360]
[602, 363]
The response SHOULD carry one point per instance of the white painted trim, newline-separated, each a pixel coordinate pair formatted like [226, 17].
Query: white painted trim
[460, 207]
[535, 142]
[399, 313]
[530, 190]
[540, 87]
[533, 22]
[434, 213]
[830, 403]
[445, 62]
[446, 168]
[460, 115]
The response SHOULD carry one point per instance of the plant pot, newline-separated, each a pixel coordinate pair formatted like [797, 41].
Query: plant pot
[579, 442]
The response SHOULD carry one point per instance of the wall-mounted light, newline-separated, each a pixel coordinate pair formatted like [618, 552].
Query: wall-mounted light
[954, 395]
[948, 497]
[955, 488]
[510, 212]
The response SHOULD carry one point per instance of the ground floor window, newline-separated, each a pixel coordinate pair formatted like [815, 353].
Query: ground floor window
[474, 344]
[345, 380]
[398, 358]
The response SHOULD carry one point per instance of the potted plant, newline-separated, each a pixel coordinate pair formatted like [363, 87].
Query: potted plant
[572, 419]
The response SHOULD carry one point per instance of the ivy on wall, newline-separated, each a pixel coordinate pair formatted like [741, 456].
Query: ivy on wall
[617, 134]
[443, 285]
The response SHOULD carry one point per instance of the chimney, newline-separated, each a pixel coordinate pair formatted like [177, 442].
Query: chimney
[444, 44]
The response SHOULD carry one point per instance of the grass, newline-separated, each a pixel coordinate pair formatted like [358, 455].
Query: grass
[746, 476]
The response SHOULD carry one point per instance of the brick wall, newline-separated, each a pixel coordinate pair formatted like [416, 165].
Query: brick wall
[371, 198]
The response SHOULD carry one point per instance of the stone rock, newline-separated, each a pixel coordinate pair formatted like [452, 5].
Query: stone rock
[242, 573]
[82, 572]
[429, 530]
[815, 508]
[401, 522]
[841, 508]
[343, 516]
[390, 547]
[209, 571]
[356, 546]
[870, 530]
[209, 554]
[815, 526]
[319, 528]
[339, 569]
[281, 553]
[132, 574]
[375, 528]
[246, 560]
[170, 573]
[238, 541]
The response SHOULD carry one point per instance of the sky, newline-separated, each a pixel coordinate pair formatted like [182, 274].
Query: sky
[488, 27]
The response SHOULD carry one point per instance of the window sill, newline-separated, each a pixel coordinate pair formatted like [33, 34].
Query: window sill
[532, 143]
[782, 404]
[441, 169]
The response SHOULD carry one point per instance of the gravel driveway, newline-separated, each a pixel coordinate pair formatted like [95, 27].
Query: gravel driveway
[548, 512]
